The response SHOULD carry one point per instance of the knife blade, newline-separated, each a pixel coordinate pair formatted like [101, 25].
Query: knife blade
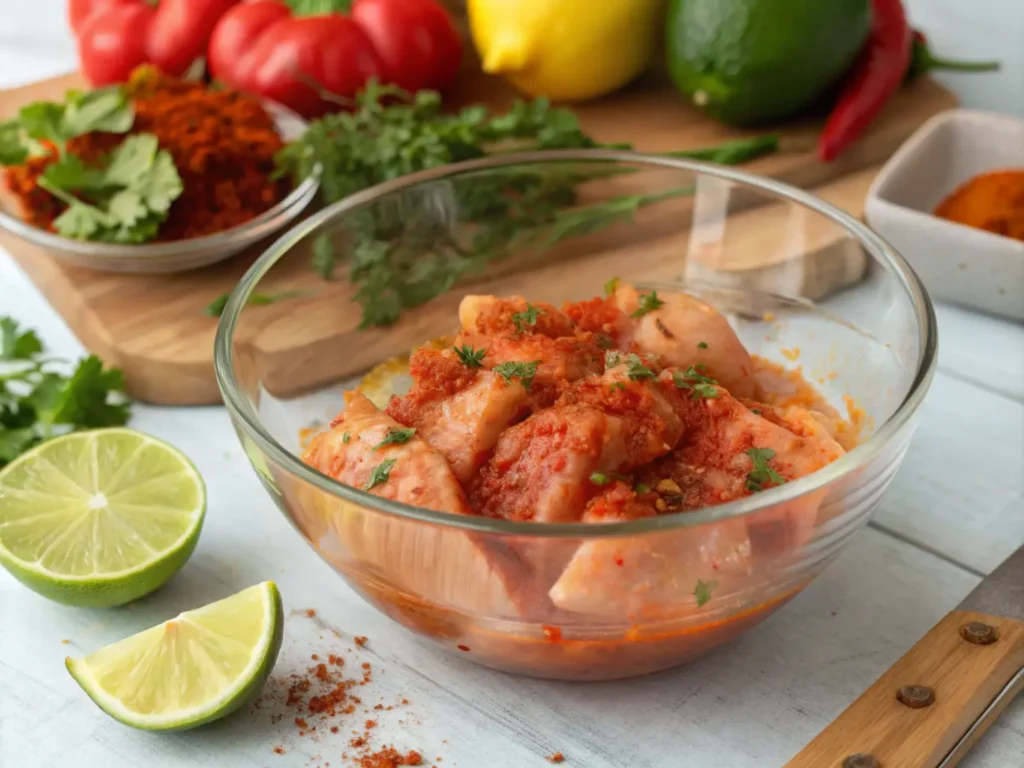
[932, 706]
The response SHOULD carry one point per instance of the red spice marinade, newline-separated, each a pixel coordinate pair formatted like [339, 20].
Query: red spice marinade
[327, 704]
[223, 143]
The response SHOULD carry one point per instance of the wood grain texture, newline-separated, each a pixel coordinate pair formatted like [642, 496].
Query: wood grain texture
[965, 679]
[153, 327]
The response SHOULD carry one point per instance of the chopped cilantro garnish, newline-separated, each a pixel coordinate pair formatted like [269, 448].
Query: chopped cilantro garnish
[528, 317]
[702, 591]
[471, 358]
[517, 369]
[642, 488]
[636, 369]
[599, 478]
[396, 436]
[761, 475]
[699, 384]
[617, 385]
[611, 286]
[648, 303]
[702, 345]
[380, 473]
[346, 438]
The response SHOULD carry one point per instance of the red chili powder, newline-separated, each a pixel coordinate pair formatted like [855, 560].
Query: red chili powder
[389, 757]
[558, 757]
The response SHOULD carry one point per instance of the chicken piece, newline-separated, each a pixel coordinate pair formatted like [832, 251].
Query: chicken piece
[684, 331]
[540, 469]
[628, 391]
[513, 331]
[353, 452]
[491, 316]
[447, 567]
[460, 411]
[644, 576]
[779, 387]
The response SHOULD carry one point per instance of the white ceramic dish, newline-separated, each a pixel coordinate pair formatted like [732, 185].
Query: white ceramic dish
[957, 263]
[178, 255]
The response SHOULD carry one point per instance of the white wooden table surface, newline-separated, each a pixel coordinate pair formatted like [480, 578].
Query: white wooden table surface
[954, 511]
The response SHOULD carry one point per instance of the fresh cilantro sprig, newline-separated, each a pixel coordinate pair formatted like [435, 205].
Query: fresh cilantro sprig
[702, 591]
[469, 357]
[103, 109]
[648, 303]
[762, 475]
[396, 436]
[380, 474]
[122, 201]
[406, 250]
[39, 401]
[700, 385]
[526, 318]
[635, 368]
[518, 369]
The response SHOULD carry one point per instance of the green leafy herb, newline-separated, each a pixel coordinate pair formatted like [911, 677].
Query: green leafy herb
[604, 341]
[612, 358]
[617, 385]
[756, 410]
[636, 369]
[469, 357]
[701, 386]
[346, 438]
[124, 201]
[216, 307]
[103, 109]
[517, 369]
[611, 286]
[39, 401]
[702, 591]
[408, 249]
[648, 303]
[528, 317]
[325, 259]
[762, 475]
[598, 478]
[380, 473]
[702, 345]
[396, 436]
[642, 488]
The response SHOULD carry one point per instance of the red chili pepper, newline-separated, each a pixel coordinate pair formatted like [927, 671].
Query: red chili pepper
[923, 60]
[309, 62]
[116, 36]
[877, 74]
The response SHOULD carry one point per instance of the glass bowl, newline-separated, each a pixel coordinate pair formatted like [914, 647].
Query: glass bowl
[649, 594]
[177, 255]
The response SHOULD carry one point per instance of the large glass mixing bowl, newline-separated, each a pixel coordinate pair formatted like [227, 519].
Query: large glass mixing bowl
[804, 285]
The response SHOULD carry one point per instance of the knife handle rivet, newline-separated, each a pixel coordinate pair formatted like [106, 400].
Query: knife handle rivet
[916, 696]
[861, 760]
[979, 633]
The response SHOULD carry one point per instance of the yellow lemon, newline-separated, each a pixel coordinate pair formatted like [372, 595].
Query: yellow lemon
[566, 50]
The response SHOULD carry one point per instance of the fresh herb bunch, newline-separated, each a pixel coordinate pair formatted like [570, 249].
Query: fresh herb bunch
[402, 252]
[38, 402]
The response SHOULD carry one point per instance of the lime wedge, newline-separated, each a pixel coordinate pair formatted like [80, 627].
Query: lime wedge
[190, 670]
[99, 518]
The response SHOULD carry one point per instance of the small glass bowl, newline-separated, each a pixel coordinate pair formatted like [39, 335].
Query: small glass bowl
[648, 594]
[177, 255]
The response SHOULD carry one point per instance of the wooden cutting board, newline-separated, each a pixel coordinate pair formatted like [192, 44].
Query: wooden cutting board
[154, 327]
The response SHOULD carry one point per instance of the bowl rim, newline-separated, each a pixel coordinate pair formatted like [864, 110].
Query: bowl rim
[249, 231]
[244, 414]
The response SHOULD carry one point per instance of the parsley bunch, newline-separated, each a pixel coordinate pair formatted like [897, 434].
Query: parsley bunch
[38, 402]
[402, 251]
[122, 199]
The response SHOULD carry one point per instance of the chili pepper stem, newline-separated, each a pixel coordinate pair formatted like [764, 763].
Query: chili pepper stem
[954, 65]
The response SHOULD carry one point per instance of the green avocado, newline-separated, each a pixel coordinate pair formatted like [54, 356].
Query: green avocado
[754, 61]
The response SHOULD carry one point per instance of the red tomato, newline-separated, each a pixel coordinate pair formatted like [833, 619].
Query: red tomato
[415, 39]
[235, 34]
[181, 30]
[112, 43]
[80, 10]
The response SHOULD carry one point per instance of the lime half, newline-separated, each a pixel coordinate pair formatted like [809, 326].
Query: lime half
[99, 518]
[190, 670]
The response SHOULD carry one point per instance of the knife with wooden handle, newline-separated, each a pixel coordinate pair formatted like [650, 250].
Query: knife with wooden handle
[934, 704]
